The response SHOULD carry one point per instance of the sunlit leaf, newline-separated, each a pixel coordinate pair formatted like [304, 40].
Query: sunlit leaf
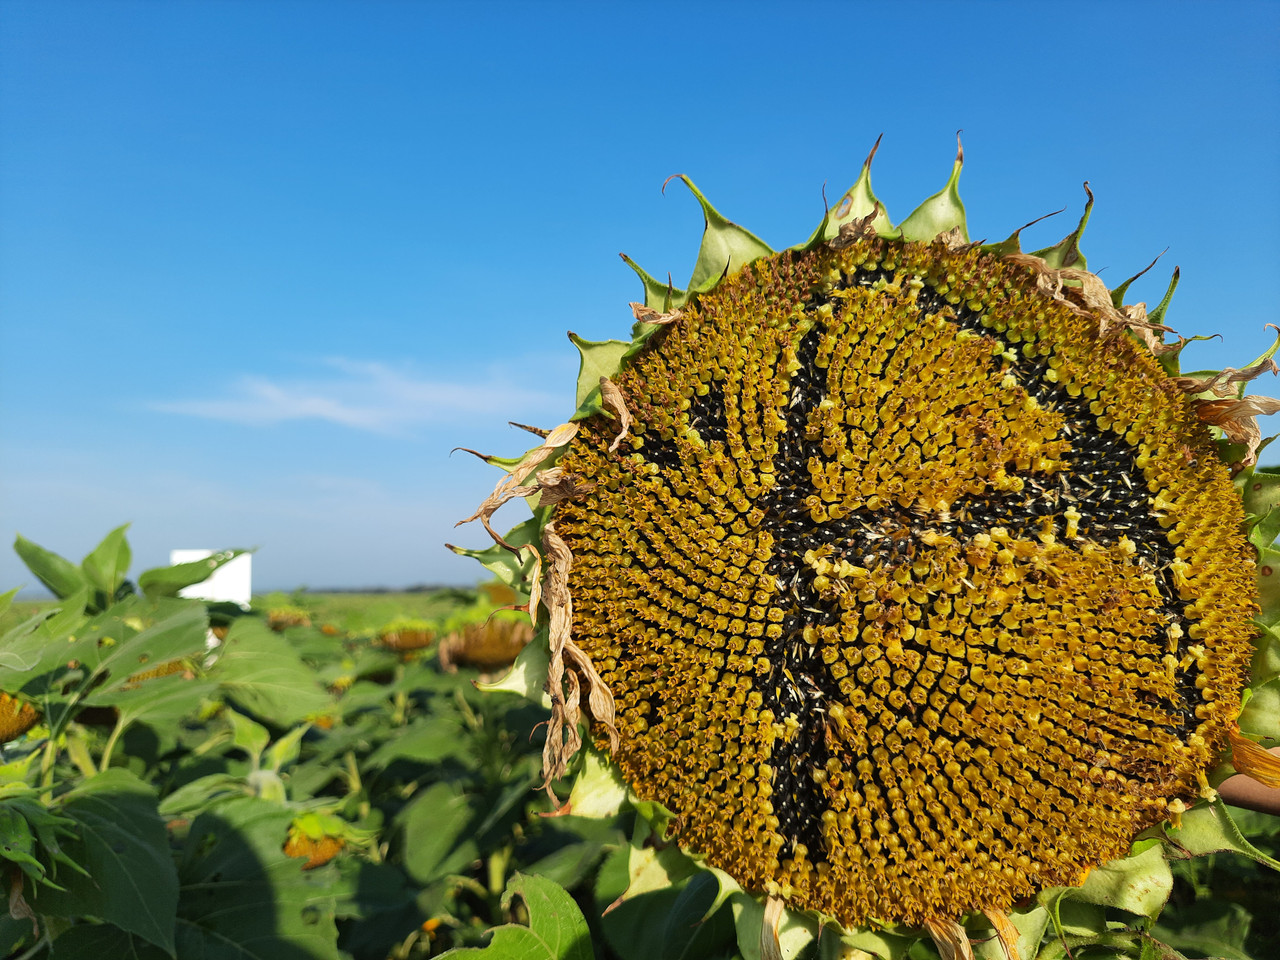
[262, 673]
[556, 930]
[61, 576]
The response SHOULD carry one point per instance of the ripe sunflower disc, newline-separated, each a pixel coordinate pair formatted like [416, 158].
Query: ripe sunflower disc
[917, 591]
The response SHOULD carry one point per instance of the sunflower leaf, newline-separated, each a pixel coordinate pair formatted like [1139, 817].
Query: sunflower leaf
[1066, 252]
[1209, 828]
[598, 790]
[726, 247]
[941, 213]
[657, 295]
[1269, 584]
[598, 358]
[856, 203]
[121, 840]
[512, 569]
[61, 576]
[528, 675]
[796, 931]
[106, 565]
[1261, 715]
[167, 581]
[1139, 883]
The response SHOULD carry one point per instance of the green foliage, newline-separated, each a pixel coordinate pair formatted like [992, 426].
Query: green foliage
[303, 794]
[556, 929]
[309, 794]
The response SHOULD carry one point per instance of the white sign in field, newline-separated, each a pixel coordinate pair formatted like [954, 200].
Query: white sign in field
[232, 581]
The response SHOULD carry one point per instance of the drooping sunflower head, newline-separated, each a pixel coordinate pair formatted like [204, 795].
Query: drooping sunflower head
[898, 568]
[406, 634]
[316, 838]
[16, 717]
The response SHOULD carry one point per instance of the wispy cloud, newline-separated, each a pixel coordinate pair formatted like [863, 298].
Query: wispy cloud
[366, 395]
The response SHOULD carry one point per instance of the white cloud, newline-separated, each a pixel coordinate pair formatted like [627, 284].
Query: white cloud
[366, 395]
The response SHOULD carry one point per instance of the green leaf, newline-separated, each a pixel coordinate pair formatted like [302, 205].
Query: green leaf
[159, 700]
[1212, 929]
[6, 600]
[556, 931]
[570, 864]
[857, 203]
[89, 941]
[598, 790]
[201, 794]
[528, 675]
[515, 570]
[1269, 584]
[942, 212]
[796, 931]
[286, 749]
[242, 898]
[888, 945]
[122, 843]
[1031, 926]
[726, 247]
[597, 358]
[1263, 532]
[653, 866]
[1139, 883]
[1261, 715]
[249, 736]
[1066, 252]
[688, 933]
[105, 567]
[168, 581]
[180, 633]
[70, 615]
[433, 824]
[1157, 315]
[1259, 490]
[1266, 659]
[1209, 828]
[62, 577]
[264, 674]
[657, 295]
[23, 647]
[427, 740]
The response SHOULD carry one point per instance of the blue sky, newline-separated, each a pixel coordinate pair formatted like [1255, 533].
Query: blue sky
[262, 264]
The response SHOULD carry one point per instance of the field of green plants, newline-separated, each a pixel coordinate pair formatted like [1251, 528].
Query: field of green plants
[324, 776]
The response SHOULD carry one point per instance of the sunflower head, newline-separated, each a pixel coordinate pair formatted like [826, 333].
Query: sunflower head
[316, 838]
[16, 717]
[406, 634]
[282, 618]
[903, 571]
[487, 646]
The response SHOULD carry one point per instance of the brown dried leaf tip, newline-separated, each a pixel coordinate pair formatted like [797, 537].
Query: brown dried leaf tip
[649, 315]
[1005, 930]
[1238, 420]
[1086, 294]
[513, 485]
[613, 401]
[570, 672]
[951, 939]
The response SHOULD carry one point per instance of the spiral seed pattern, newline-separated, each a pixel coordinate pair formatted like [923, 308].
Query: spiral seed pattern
[916, 591]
